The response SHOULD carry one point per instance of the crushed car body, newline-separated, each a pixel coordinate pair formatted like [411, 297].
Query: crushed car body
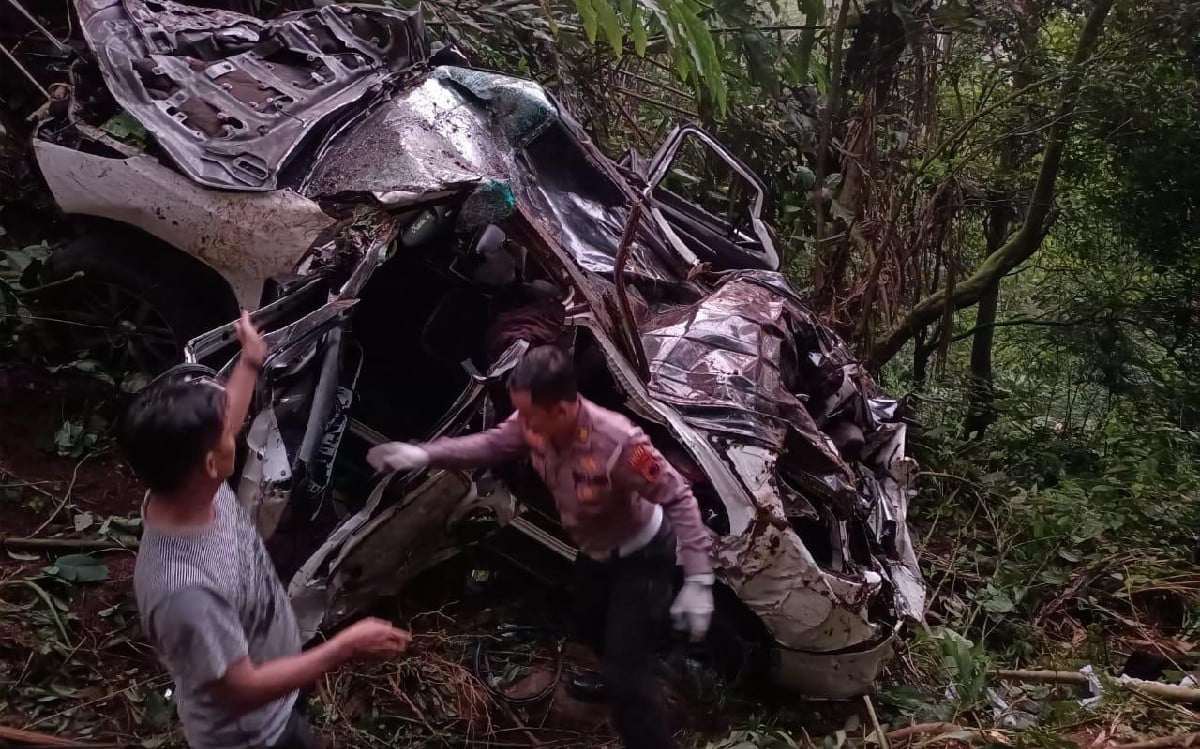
[405, 230]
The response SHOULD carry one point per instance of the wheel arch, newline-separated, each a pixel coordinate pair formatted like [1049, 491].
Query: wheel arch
[135, 241]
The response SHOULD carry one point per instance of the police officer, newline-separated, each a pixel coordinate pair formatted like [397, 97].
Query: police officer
[624, 506]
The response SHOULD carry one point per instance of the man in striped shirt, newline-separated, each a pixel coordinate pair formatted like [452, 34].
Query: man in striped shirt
[209, 599]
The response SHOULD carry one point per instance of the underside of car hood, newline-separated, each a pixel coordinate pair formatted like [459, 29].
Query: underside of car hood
[239, 103]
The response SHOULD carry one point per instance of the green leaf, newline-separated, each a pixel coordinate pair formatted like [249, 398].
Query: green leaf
[704, 52]
[83, 568]
[67, 438]
[42, 594]
[134, 382]
[664, 22]
[16, 261]
[1069, 556]
[610, 23]
[637, 30]
[997, 602]
[125, 128]
[587, 13]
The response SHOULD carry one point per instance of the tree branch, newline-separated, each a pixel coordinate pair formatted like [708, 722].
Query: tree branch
[1028, 238]
[1022, 321]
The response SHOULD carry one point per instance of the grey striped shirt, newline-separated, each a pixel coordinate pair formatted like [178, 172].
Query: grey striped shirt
[208, 598]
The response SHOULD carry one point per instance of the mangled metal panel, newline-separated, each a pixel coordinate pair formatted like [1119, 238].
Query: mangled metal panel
[246, 237]
[233, 99]
[582, 210]
[521, 107]
[730, 364]
[428, 142]
[728, 360]
[504, 143]
[751, 363]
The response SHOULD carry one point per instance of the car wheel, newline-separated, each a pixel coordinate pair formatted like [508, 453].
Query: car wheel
[127, 305]
[738, 643]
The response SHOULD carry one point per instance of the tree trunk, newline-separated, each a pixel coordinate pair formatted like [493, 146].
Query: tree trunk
[820, 271]
[981, 386]
[1028, 238]
[921, 354]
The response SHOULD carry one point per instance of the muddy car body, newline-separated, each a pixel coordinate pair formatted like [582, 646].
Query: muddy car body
[405, 229]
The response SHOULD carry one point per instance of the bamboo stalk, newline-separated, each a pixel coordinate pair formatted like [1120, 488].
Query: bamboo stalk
[64, 544]
[1167, 692]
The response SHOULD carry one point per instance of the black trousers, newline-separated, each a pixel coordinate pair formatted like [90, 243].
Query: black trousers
[622, 611]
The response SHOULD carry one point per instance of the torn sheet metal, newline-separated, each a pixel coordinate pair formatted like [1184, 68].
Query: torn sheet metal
[266, 482]
[581, 210]
[506, 143]
[739, 506]
[729, 362]
[233, 99]
[429, 139]
[748, 362]
[382, 547]
[309, 585]
[400, 541]
[246, 237]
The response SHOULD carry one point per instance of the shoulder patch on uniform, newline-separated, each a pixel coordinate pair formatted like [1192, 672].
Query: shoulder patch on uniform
[646, 463]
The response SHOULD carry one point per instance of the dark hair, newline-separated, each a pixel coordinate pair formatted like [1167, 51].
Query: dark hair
[547, 374]
[170, 426]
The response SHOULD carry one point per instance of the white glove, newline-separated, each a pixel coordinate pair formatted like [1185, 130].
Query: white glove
[693, 608]
[397, 456]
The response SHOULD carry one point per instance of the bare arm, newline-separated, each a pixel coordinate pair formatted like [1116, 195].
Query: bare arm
[240, 387]
[200, 637]
[246, 686]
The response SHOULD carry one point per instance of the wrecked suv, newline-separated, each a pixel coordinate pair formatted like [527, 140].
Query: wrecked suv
[405, 227]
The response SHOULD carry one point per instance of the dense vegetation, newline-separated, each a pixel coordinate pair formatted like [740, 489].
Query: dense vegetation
[998, 202]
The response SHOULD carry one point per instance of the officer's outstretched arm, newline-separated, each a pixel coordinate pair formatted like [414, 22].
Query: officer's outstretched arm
[502, 444]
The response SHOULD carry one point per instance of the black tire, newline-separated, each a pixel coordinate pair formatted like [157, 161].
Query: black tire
[93, 282]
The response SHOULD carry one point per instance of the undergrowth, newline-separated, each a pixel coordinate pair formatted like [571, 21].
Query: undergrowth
[1051, 544]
